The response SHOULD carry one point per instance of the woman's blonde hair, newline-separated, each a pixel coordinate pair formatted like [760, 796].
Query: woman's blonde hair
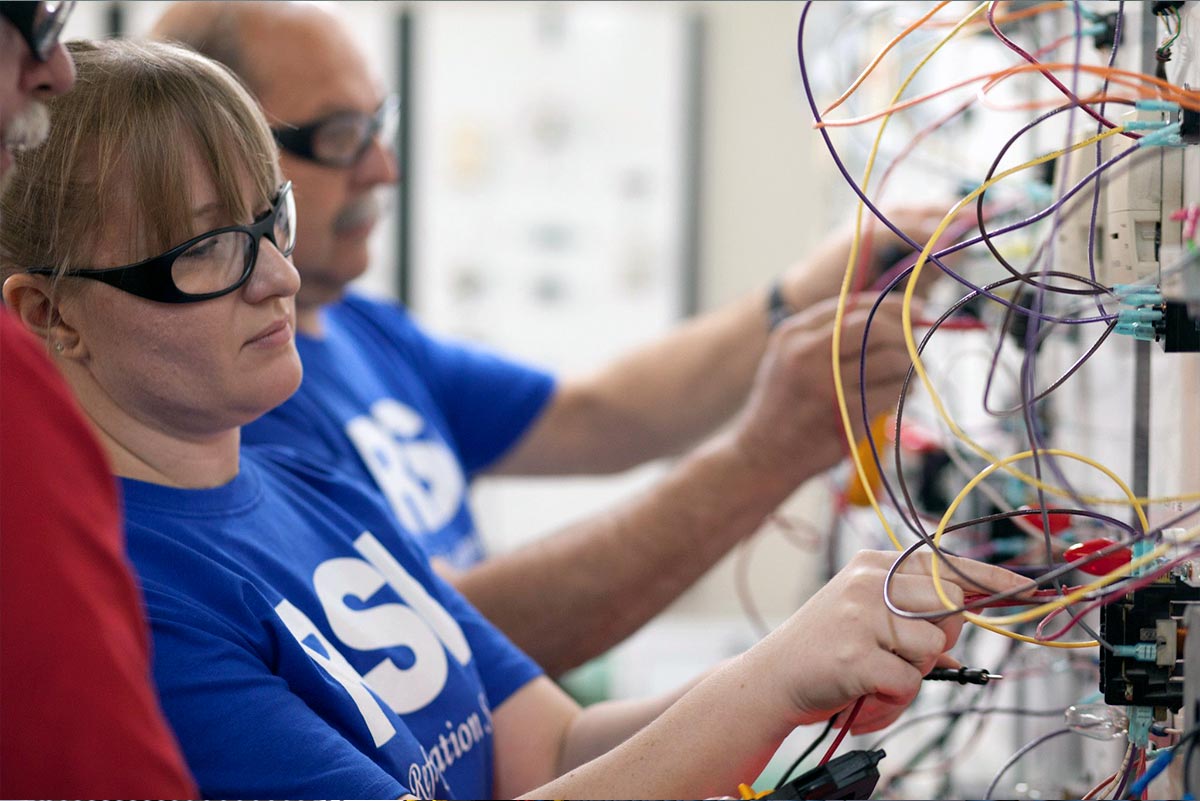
[119, 141]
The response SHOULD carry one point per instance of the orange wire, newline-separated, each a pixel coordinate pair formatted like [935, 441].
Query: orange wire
[1051, 102]
[1101, 786]
[1188, 99]
[1003, 18]
[878, 58]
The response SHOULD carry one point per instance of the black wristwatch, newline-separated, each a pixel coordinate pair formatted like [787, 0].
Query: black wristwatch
[778, 309]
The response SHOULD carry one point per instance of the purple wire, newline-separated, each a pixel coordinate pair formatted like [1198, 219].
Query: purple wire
[993, 366]
[1069, 93]
[1028, 383]
[935, 258]
[1112, 59]
[1041, 260]
[976, 290]
[1127, 774]
[1033, 425]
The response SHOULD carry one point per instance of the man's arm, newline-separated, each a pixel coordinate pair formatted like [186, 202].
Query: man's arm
[576, 593]
[664, 397]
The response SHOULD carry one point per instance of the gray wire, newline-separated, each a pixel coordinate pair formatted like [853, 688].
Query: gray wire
[1025, 749]
[964, 710]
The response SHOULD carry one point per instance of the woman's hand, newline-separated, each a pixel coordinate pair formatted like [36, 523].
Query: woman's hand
[844, 643]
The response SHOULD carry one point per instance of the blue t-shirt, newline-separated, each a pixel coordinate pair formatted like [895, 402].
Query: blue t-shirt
[386, 403]
[303, 648]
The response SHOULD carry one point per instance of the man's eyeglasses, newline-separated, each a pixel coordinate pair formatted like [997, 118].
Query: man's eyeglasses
[341, 139]
[38, 23]
[206, 266]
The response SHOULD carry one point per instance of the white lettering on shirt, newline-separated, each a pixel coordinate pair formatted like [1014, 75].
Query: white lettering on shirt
[420, 477]
[343, 587]
[339, 670]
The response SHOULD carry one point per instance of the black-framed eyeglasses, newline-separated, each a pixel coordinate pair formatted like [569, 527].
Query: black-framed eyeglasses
[341, 139]
[206, 266]
[38, 23]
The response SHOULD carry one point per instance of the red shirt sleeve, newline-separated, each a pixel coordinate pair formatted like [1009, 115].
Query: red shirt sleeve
[79, 717]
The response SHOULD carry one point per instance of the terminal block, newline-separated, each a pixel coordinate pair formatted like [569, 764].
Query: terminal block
[1151, 317]
[1180, 330]
[1144, 629]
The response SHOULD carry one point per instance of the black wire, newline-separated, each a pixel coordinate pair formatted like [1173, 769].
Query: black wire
[787, 774]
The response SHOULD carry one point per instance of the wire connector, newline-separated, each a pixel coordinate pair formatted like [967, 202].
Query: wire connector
[1141, 718]
[962, 675]
[1146, 125]
[1150, 104]
[1142, 651]
[1144, 320]
[1168, 136]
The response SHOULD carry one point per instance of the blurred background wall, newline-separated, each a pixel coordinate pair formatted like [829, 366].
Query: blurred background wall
[577, 178]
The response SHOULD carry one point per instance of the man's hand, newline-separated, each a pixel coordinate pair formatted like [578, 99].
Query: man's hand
[820, 275]
[790, 424]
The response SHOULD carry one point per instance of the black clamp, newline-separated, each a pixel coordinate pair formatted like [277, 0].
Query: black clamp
[853, 775]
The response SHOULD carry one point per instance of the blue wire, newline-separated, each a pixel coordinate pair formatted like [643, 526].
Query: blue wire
[1156, 767]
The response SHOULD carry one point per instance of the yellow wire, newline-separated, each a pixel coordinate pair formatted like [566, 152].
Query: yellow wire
[1037, 611]
[843, 409]
[982, 623]
[848, 281]
[1033, 613]
[918, 367]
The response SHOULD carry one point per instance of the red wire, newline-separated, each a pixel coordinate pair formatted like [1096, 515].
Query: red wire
[833, 747]
[1029, 599]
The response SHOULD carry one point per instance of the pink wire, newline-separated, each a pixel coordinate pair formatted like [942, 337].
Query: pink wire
[1137, 584]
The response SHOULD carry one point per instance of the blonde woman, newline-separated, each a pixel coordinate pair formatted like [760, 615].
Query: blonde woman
[303, 646]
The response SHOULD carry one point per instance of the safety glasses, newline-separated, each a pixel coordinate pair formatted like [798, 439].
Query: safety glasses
[206, 266]
[341, 139]
[38, 23]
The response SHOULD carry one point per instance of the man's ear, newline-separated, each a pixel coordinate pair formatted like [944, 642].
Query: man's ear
[31, 299]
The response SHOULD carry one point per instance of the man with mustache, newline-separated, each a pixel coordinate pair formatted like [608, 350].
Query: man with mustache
[80, 718]
[419, 417]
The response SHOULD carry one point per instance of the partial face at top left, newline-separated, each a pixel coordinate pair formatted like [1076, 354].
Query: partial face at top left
[33, 66]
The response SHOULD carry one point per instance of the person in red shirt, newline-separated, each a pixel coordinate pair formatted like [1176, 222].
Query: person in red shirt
[78, 714]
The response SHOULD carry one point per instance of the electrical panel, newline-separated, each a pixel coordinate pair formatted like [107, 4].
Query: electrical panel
[1144, 627]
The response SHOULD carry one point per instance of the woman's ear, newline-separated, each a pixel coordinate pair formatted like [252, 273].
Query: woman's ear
[31, 299]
